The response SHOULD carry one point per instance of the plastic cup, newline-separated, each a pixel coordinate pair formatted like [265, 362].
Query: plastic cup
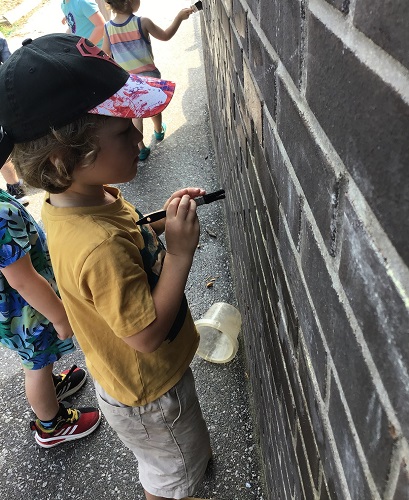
[219, 328]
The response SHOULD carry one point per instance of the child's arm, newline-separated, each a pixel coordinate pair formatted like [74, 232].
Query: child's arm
[159, 226]
[106, 46]
[182, 237]
[148, 27]
[98, 21]
[36, 290]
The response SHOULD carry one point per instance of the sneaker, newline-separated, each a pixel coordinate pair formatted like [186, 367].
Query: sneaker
[69, 382]
[160, 135]
[77, 424]
[144, 153]
[17, 191]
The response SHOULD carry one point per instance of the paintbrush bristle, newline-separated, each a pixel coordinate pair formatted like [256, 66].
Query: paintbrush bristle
[197, 6]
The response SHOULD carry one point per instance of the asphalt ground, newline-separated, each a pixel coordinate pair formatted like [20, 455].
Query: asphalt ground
[99, 466]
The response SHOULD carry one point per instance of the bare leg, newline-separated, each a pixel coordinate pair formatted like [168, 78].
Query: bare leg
[40, 392]
[138, 123]
[157, 122]
[9, 173]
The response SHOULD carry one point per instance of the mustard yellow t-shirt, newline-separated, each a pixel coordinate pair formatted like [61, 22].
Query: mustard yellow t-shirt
[106, 266]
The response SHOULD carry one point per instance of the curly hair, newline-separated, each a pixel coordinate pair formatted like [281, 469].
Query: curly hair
[120, 6]
[48, 162]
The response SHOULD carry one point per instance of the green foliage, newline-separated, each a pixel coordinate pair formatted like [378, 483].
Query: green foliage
[7, 29]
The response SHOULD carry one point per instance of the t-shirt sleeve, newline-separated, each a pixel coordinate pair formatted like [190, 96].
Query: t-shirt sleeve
[89, 8]
[113, 278]
[14, 240]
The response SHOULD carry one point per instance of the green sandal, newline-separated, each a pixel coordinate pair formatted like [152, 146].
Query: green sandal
[144, 153]
[160, 135]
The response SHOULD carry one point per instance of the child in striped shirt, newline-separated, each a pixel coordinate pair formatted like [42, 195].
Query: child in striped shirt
[127, 40]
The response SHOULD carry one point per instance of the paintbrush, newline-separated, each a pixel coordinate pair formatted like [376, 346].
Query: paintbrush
[200, 200]
[197, 6]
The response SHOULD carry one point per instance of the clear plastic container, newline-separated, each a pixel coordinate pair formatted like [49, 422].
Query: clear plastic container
[219, 329]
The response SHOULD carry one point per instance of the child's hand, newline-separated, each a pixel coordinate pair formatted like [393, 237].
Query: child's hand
[184, 14]
[63, 329]
[193, 192]
[182, 227]
[159, 226]
[150, 28]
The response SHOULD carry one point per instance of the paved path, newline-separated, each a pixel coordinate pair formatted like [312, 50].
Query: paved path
[98, 466]
[44, 20]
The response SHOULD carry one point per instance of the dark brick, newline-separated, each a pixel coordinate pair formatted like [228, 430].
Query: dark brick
[283, 382]
[281, 23]
[309, 163]
[265, 265]
[253, 103]
[291, 368]
[341, 5]
[306, 478]
[240, 131]
[305, 423]
[386, 23]
[402, 486]
[239, 16]
[362, 398]
[369, 289]
[272, 248]
[307, 321]
[243, 118]
[267, 186]
[367, 122]
[224, 20]
[335, 483]
[287, 193]
[289, 456]
[254, 6]
[324, 492]
[277, 445]
[346, 446]
[263, 68]
[237, 52]
[228, 5]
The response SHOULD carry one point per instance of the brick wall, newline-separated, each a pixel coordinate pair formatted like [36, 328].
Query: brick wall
[309, 106]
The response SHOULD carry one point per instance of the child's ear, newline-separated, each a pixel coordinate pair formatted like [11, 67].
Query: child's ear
[54, 159]
[57, 161]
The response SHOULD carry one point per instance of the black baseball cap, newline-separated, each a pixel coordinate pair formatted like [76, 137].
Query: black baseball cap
[55, 79]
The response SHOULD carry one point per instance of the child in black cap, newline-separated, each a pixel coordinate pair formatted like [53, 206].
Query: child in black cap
[67, 109]
[33, 322]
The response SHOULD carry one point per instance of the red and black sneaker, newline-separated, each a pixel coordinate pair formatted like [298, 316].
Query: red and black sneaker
[75, 424]
[69, 382]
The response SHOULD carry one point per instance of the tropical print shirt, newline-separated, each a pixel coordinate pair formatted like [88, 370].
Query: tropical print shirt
[20, 324]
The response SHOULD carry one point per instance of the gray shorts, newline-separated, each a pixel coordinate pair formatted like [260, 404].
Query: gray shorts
[169, 438]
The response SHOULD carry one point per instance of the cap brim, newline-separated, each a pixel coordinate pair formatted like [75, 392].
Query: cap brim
[140, 97]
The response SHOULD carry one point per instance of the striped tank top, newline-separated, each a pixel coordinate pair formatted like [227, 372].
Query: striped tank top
[129, 47]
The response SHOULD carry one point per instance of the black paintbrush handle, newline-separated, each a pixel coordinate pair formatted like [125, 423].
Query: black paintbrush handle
[200, 200]
[209, 198]
[153, 217]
